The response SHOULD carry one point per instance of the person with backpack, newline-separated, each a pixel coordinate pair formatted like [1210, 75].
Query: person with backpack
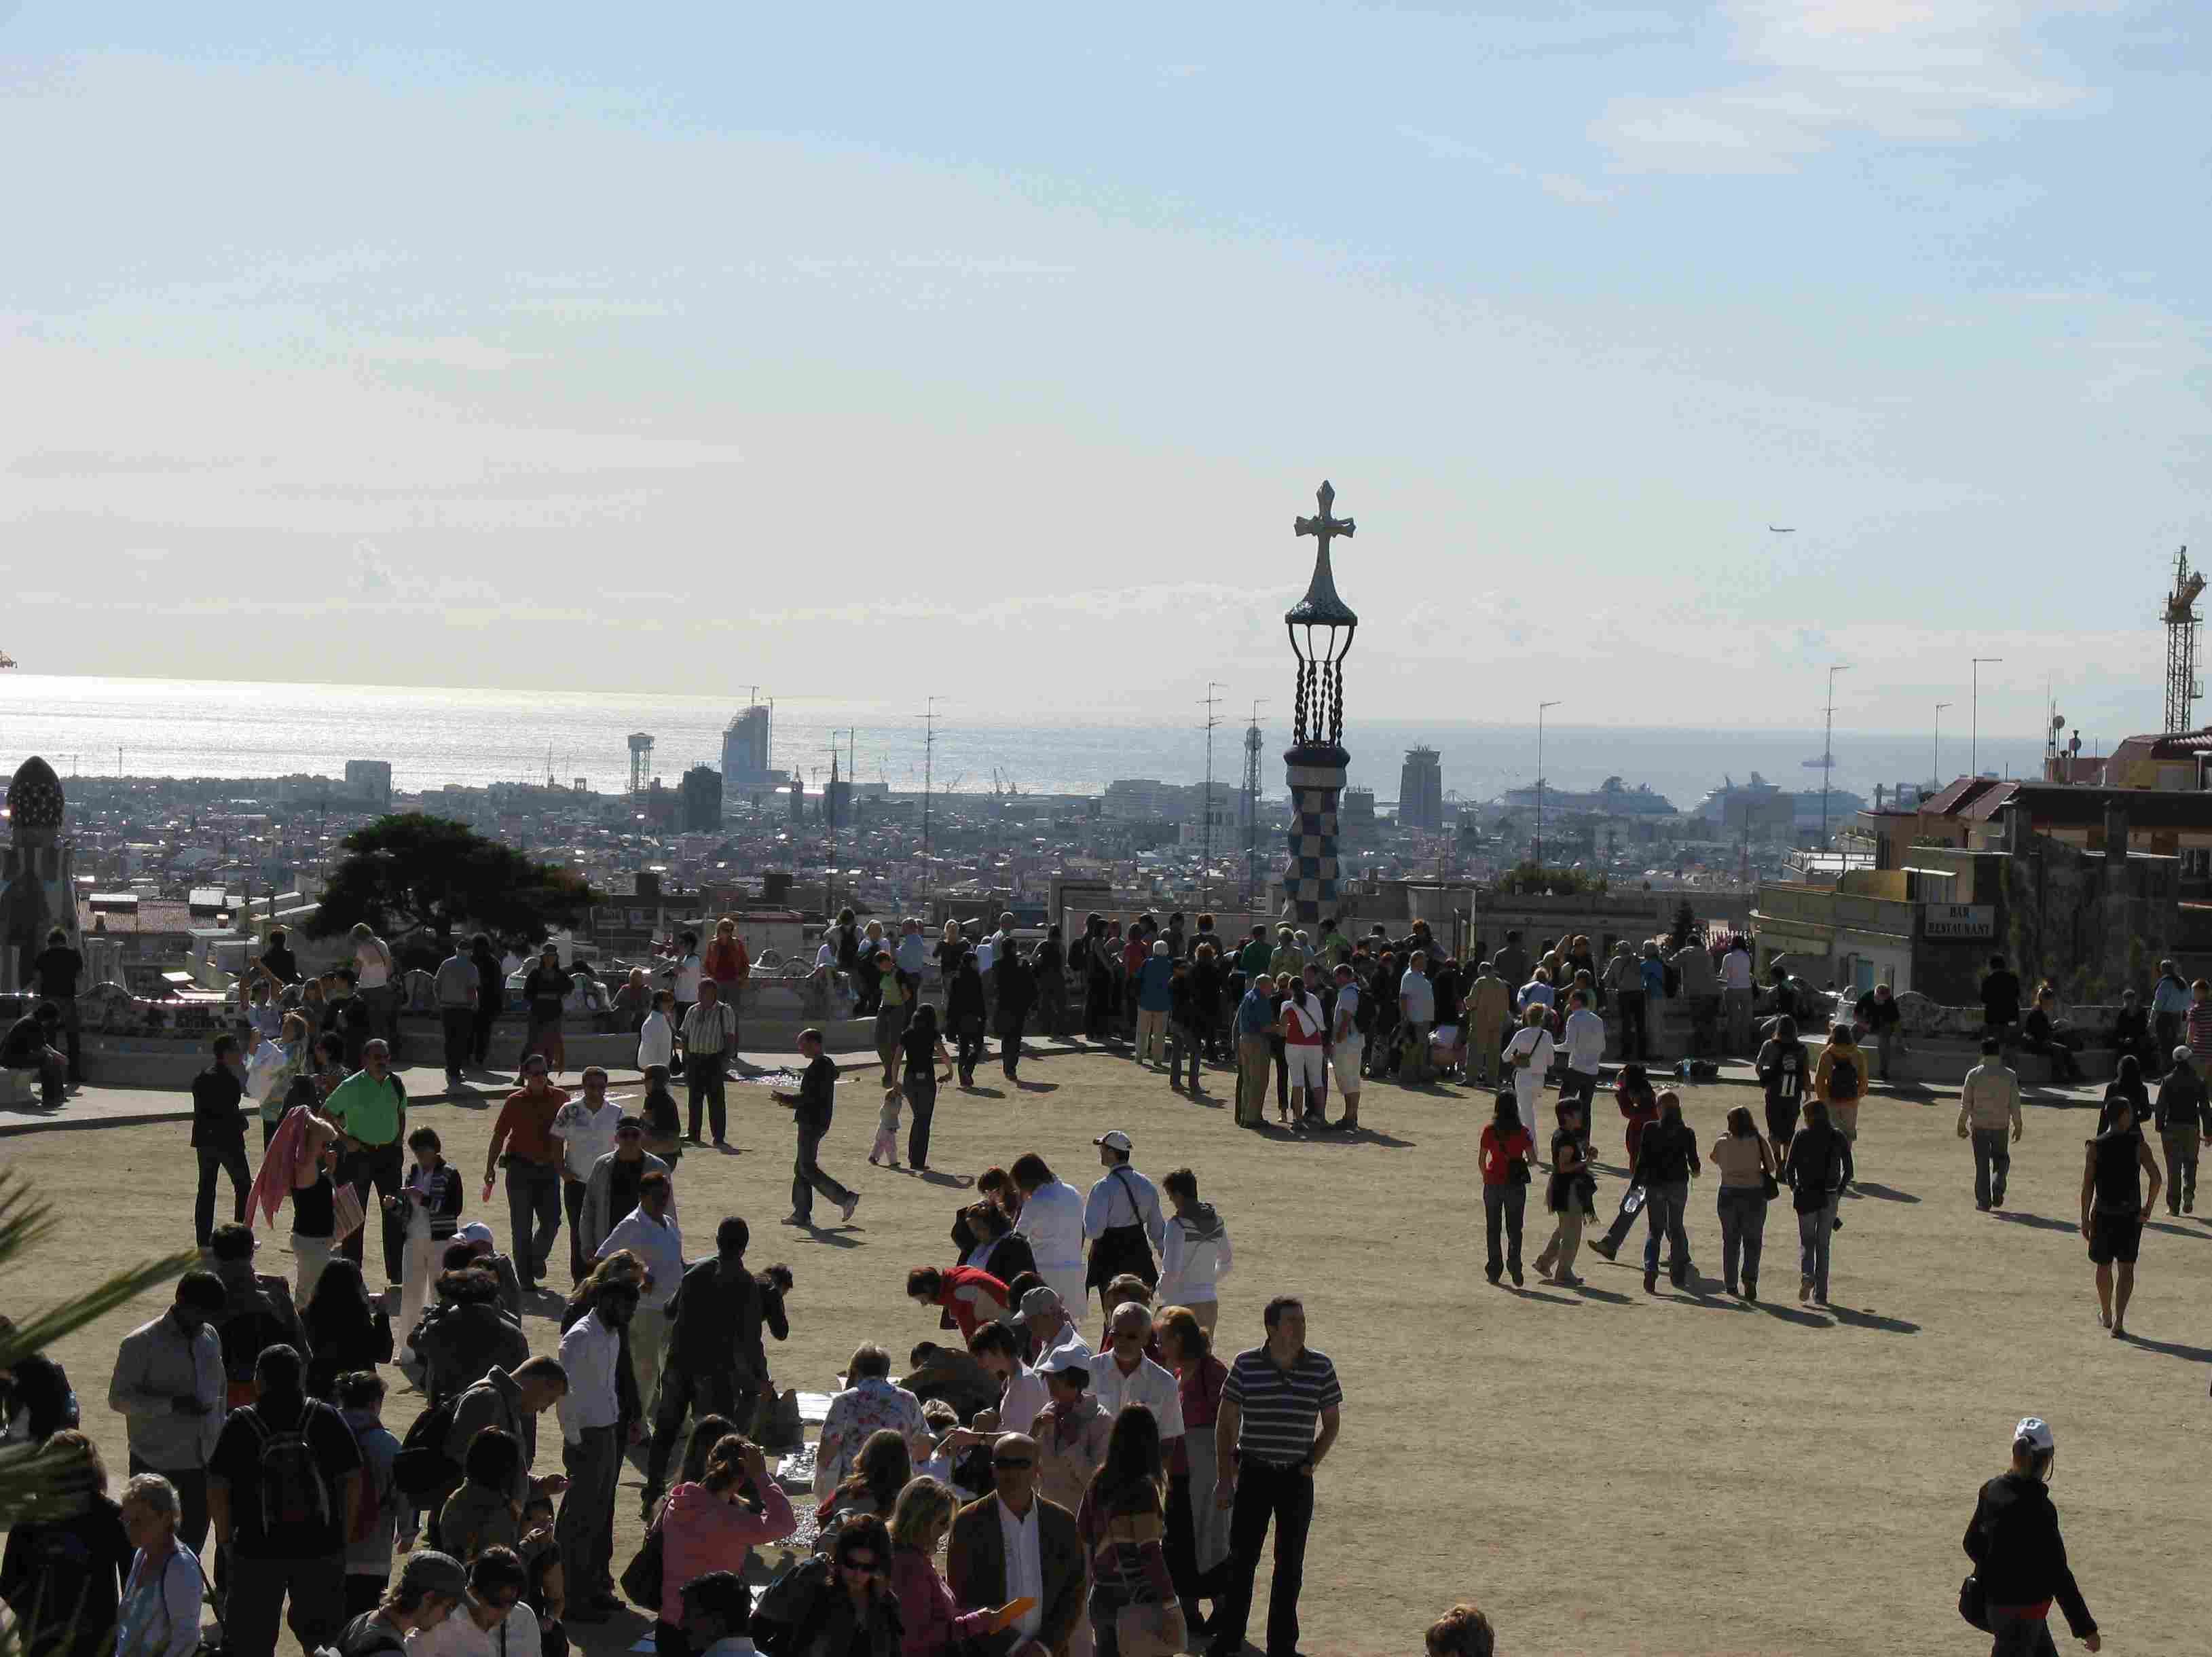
[283, 1481]
[383, 1515]
[257, 1313]
[1839, 1079]
[2019, 1559]
[1814, 1174]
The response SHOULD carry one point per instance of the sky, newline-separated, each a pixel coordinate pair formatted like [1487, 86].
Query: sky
[990, 351]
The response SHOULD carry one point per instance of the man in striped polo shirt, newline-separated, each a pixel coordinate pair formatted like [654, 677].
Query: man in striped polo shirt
[1265, 1449]
[710, 1029]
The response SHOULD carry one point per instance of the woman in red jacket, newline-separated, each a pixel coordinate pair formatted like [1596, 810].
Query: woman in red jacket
[973, 1296]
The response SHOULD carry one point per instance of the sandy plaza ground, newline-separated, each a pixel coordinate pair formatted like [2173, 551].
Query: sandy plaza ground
[1604, 1471]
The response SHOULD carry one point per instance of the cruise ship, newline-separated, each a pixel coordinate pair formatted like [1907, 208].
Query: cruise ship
[1762, 796]
[1610, 797]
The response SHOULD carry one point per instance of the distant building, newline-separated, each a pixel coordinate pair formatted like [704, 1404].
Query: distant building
[370, 780]
[702, 793]
[1421, 790]
[745, 755]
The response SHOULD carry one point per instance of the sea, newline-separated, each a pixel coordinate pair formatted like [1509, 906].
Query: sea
[222, 728]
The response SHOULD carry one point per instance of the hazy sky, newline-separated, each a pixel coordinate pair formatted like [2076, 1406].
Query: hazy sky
[991, 351]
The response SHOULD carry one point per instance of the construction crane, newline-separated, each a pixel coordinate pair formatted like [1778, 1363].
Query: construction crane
[2182, 684]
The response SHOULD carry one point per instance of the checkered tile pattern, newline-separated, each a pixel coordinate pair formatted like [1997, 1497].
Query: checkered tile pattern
[1310, 875]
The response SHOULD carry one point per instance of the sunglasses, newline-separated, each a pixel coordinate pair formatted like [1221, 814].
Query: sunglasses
[862, 1567]
[1012, 1461]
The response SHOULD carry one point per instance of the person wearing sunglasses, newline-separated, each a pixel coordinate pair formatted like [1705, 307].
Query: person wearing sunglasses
[859, 1613]
[497, 1622]
[1016, 1546]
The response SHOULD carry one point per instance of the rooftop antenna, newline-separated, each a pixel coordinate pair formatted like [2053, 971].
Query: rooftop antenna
[928, 716]
[1252, 745]
[1205, 869]
[2182, 684]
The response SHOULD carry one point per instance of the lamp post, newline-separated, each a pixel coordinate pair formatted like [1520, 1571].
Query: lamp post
[1828, 749]
[1321, 627]
[1936, 774]
[1974, 723]
[1542, 708]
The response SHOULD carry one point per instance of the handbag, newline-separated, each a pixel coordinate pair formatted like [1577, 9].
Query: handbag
[641, 1578]
[1767, 1182]
[1974, 1603]
[1149, 1630]
[346, 1208]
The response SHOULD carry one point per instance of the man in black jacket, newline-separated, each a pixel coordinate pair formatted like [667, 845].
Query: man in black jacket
[2000, 999]
[2019, 1559]
[1013, 987]
[219, 1136]
[713, 1364]
[814, 1101]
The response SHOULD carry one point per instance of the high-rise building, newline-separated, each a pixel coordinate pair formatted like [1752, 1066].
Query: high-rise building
[370, 780]
[702, 793]
[1421, 790]
[744, 753]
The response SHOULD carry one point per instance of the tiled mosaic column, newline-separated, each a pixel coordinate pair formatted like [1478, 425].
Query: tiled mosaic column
[1315, 775]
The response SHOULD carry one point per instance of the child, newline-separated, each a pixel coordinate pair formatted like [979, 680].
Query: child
[887, 1128]
[664, 1125]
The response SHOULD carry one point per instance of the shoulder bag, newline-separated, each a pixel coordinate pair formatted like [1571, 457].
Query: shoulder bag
[641, 1578]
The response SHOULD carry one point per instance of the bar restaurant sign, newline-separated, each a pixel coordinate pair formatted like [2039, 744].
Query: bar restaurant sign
[1958, 921]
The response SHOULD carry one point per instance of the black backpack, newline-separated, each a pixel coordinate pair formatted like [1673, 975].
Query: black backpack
[294, 1491]
[1363, 1015]
[422, 1469]
[1844, 1076]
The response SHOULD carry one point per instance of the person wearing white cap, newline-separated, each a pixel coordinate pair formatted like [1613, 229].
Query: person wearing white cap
[2019, 1559]
[1052, 1220]
[477, 1235]
[1051, 1329]
[1121, 1219]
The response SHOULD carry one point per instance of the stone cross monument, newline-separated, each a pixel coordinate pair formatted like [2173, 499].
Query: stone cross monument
[1321, 627]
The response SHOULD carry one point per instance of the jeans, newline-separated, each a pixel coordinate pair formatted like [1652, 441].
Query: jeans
[807, 1177]
[572, 1204]
[1503, 1205]
[2017, 1635]
[1737, 1006]
[585, 1527]
[683, 1390]
[1576, 1087]
[1664, 1206]
[480, 1023]
[1704, 1020]
[1815, 1232]
[533, 1193]
[381, 1165]
[1635, 1029]
[703, 1078]
[968, 1049]
[230, 1159]
[191, 1500]
[2180, 1145]
[1185, 1041]
[921, 1099]
[1265, 1491]
[253, 1604]
[1051, 1004]
[1743, 1233]
[1010, 1040]
[1992, 1162]
[460, 1024]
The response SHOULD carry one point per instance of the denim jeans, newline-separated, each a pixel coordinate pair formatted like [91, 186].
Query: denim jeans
[702, 1081]
[2016, 1635]
[807, 1177]
[920, 1087]
[1815, 1231]
[1743, 1233]
[1992, 1162]
[225, 1158]
[1284, 1495]
[1634, 1035]
[533, 1193]
[382, 1166]
[1663, 1207]
[1503, 1205]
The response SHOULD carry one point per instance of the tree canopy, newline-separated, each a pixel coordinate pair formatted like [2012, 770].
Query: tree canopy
[416, 870]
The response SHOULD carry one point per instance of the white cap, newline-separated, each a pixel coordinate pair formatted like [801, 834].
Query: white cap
[1115, 1140]
[475, 1231]
[2183, 1056]
[2036, 1431]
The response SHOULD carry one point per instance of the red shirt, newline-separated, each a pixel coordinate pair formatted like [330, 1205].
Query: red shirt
[1642, 1109]
[1497, 1157]
[725, 962]
[962, 1308]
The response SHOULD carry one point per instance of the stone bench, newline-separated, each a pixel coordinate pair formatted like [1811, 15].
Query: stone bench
[19, 1087]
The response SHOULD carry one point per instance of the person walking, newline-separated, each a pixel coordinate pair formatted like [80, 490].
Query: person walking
[924, 1051]
[814, 1103]
[219, 1137]
[1665, 1162]
[1255, 1024]
[2019, 1559]
[455, 985]
[1195, 1253]
[1748, 1170]
[1839, 1079]
[1506, 1152]
[966, 1014]
[1279, 1416]
[1814, 1174]
[1988, 1105]
[649, 1231]
[592, 1430]
[491, 998]
[2114, 1210]
[523, 1139]
[1565, 1195]
[1583, 1036]
[1528, 1060]
[583, 1130]
[713, 1364]
[1013, 989]
[2169, 1008]
[1048, 966]
[168, 1388]
[1122, 1520]
[1121, 1220]
[2127, 1083]
[1783, 1066]
[283, 1485]
[2183, 1115]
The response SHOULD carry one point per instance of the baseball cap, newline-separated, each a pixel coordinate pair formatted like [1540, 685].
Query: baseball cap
[429, 1571]
[475, 1231]
[2036, 1431]
[1041, 1300]
[1061, 1359]
[2183, 1056]
[1115, 1140]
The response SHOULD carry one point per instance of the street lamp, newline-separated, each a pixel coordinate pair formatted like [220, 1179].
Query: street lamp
[1936, 774]
[1828, 749]
[1540, 707]
[1974, 726]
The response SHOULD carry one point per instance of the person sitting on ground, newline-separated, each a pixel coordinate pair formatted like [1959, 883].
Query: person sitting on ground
[869, 1403]
[497, 1622]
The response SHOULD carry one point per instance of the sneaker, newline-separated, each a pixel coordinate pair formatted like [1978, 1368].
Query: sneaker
[1750, 1290]
[1515, 1271]
[795, 1218]
[1651, 1283]
[1804, 1288]
[1608, 1250]
[1981, 1207]
[845, 1209]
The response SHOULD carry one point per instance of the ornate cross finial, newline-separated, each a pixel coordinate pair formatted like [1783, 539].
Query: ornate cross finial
[1322, 527]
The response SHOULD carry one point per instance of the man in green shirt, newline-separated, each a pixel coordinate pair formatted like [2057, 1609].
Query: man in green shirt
[371, 1106]
[1252, 960]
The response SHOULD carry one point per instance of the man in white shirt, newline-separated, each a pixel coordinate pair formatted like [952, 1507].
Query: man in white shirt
[650, 1232]
[1121, 1217]
[1014, 1545]
[1737, 995]
[1344, 1045]
[656, 1036]
[1126, 1376]
[583, 1131]
[1417, 1009]
[591, 1432]
[1584, 1041]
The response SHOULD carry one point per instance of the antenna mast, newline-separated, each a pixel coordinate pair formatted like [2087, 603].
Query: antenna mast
[1206, 869]
[2182, 684]
[1252, 744]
